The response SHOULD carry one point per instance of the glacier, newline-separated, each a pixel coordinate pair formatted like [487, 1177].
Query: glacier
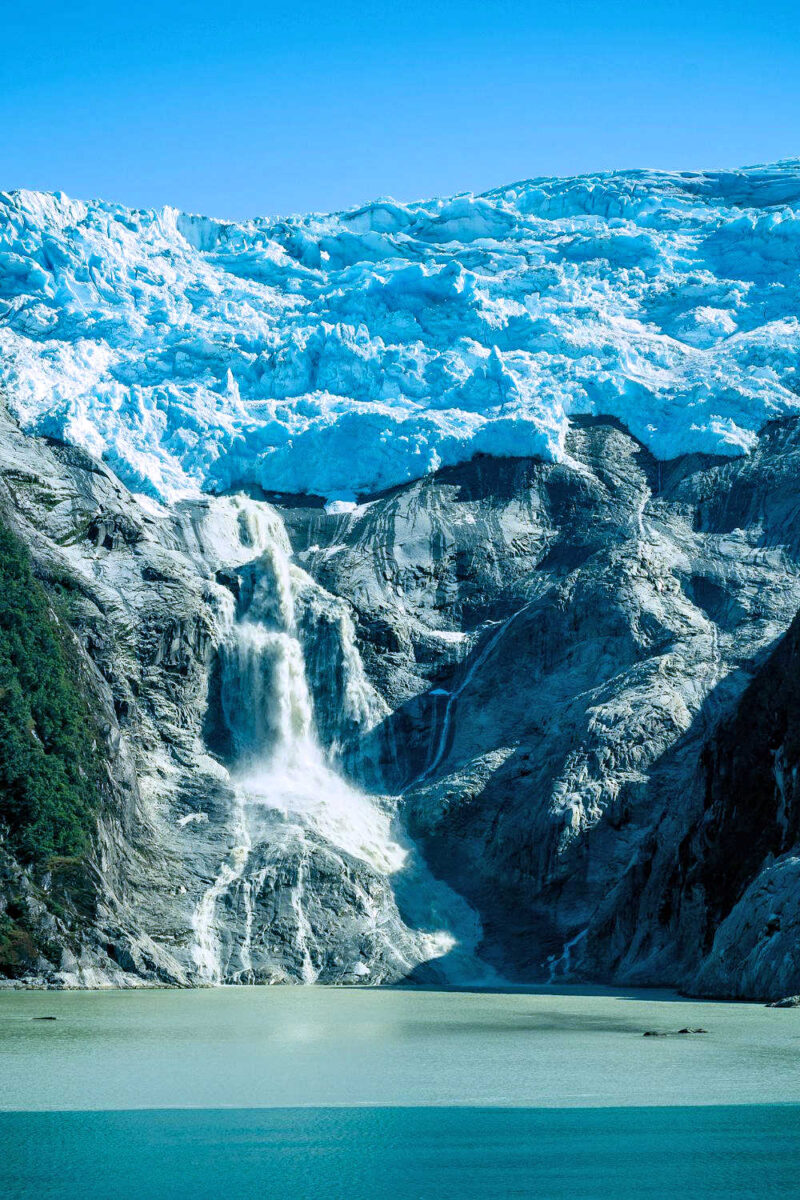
[339, 355]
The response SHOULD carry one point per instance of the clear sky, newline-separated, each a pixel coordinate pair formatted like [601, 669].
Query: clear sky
[236, 108]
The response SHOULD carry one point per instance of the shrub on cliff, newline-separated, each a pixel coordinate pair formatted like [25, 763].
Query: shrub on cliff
[49, 768]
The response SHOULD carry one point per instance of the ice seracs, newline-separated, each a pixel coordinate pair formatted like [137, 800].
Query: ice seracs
[338, 355]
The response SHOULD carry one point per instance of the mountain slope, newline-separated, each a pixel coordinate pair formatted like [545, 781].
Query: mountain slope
[418, 561]
[557, 644]
[528, 667]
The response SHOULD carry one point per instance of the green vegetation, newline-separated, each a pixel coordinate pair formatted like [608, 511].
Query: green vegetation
[49, 770]
[18, 948]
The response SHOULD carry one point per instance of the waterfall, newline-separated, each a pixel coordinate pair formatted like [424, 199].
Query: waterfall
[281, 765]
[281, 778]
[265, 699]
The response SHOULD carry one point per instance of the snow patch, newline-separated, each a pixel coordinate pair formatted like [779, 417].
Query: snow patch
[199, 818]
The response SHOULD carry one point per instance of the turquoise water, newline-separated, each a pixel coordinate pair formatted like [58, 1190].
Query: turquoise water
[340, 1093]
[404, 1153]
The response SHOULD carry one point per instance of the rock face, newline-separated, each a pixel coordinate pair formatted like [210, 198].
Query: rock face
[557, 644]
[536, 718]
[732, 886]
[254, 863]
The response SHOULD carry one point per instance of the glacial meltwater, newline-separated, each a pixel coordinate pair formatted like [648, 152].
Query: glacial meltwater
[301, 1093]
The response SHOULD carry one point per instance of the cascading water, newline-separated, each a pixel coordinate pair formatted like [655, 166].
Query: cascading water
[206, 948]
[288, 800]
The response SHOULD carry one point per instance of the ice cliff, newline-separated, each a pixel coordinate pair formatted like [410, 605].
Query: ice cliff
[339, 355]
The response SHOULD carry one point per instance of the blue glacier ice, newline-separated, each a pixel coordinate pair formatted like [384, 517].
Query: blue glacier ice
[341, 354]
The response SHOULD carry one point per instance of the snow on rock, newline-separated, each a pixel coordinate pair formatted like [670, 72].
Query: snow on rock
[338, 355]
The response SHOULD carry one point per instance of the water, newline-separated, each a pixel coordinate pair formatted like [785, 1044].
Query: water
[405, 1154]
[389, 1093]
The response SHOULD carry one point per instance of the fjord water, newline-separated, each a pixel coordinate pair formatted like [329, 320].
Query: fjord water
[301, 1092]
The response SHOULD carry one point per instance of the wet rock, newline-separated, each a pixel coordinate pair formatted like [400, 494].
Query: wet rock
[557, 646]
[672, 1033]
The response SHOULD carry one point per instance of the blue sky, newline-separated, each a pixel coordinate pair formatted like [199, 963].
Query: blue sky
[238, 108]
